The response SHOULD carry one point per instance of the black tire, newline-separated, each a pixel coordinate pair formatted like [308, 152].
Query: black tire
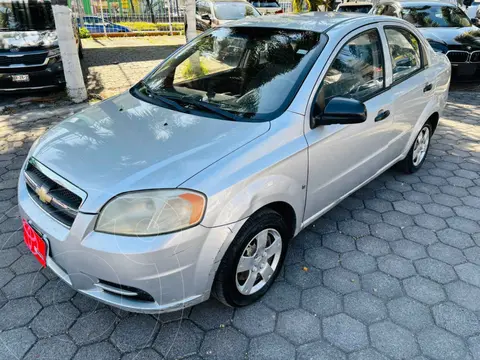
[407, 165]
[80, 49]
[224, 287]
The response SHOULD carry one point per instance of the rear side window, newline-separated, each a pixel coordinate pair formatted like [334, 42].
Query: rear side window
[357, 71]
[405, 52]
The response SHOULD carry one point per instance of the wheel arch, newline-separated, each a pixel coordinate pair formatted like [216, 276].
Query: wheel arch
[433, 120]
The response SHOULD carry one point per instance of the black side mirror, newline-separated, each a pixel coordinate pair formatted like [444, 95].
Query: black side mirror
[206, 17]
[341, 111]
[475, 21]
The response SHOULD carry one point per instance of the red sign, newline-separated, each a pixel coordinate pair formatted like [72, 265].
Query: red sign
[35, 243]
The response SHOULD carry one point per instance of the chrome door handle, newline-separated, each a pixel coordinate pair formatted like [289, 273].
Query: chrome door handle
[382, 115]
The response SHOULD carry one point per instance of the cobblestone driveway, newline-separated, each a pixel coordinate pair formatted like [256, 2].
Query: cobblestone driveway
[392, 272]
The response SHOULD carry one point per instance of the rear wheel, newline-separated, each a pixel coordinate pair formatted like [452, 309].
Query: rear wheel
[253, 260]
[418, 152]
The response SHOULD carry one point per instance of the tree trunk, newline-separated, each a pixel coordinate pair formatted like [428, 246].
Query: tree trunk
[150, 8]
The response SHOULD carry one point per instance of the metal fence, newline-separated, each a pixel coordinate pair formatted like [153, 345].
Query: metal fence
[128, 17]
[134, 17]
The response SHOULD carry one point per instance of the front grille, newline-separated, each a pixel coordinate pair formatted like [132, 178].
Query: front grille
[27, 59]
[136, 294]
[59, 202]
[458, 56]
[475, 57]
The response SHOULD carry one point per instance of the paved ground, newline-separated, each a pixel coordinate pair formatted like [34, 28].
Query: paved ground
[392, 272]
[113, 65]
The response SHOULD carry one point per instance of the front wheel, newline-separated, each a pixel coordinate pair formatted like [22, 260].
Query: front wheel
[418, 152]
[253, 260]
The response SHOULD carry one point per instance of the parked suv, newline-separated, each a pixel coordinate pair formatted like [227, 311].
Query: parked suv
[354, 6]
[267, 7]
[29, 52]
[211, 13]
[446, 27]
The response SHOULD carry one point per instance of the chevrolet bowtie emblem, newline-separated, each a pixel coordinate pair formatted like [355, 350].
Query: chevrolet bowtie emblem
[43, 195]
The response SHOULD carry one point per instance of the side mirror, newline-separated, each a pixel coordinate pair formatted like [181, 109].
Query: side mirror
[206, 17]
[475, 21]
[341, 111]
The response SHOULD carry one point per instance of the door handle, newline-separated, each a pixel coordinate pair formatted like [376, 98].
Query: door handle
[382, 115]
[427, 88]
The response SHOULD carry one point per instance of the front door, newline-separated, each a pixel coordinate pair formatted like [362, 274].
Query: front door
[342, 157]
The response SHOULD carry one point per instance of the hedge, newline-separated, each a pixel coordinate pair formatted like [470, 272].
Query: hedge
[147, 26]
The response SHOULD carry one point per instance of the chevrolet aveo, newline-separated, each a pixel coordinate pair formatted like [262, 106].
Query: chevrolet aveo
[193, 182]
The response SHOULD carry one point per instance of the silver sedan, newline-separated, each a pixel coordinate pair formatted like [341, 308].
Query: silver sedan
[192, 183]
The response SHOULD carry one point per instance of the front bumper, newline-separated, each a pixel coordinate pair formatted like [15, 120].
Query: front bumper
[41, 77]
[175, 270]
[466, 70]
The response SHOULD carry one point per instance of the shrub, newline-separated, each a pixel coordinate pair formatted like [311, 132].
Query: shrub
[148, 26]
[192, 72]
[84, 33]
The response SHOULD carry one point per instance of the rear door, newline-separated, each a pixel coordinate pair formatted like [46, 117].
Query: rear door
[410, 72]
[343, 157]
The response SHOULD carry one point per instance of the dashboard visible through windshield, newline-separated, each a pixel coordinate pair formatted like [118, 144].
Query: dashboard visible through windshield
[241, 71]
[26, 16]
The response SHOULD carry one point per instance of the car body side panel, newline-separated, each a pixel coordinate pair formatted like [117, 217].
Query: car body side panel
[344, 156]
[272, 168]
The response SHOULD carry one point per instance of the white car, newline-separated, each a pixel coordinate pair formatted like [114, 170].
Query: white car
[193, 182]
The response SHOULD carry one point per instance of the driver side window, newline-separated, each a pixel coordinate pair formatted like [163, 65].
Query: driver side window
[357, 72]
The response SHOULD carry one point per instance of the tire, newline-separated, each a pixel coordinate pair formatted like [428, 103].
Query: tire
[227, 282]
[80, 49]
[412, 163]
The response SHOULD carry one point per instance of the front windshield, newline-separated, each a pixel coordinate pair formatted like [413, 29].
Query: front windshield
[234, 11]
[364, 9]
[251, 72]
[23, 16]
[435, 16]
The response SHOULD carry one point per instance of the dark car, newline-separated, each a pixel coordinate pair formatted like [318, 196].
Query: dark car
[447, 28]
[95, 25]
[211, 13]
[29, 53]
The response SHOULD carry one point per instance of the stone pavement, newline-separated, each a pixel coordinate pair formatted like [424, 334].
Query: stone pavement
[393, 272]
[113, 65]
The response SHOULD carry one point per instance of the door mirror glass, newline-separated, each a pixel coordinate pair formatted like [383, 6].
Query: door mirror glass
[206, 17]
[341, 111]
[475, 21]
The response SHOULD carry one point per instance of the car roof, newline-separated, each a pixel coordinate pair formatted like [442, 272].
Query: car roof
[360, 3]
[417, 3]
[313, 21]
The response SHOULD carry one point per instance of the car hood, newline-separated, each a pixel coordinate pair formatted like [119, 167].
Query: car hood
[126, 144]
[460, 38]
[26, 39]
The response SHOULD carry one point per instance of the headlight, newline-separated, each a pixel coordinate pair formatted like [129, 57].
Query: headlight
[151, 212]
[54, 52]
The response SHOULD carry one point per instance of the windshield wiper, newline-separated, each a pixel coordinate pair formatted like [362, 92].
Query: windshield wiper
[211, 108]
[164, 99]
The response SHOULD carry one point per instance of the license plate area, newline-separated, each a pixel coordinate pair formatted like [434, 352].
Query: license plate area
[20, 78]
[37, 245]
